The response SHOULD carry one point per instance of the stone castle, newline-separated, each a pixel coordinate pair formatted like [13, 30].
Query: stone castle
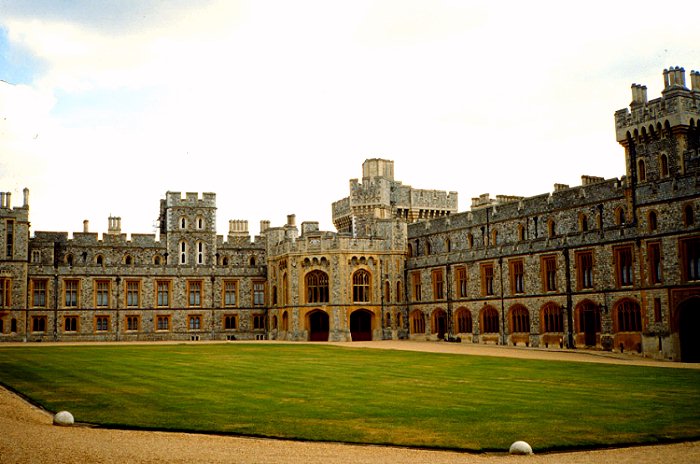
[610, 264]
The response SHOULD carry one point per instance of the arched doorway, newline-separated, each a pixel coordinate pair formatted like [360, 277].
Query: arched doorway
[688, 328]
[439, 323]
[589, 322]
[318, 326]
[361, 325]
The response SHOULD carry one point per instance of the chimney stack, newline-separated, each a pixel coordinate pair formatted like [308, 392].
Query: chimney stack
[86, 227]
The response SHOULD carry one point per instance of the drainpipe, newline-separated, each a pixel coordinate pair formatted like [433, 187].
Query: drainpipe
[449, 301]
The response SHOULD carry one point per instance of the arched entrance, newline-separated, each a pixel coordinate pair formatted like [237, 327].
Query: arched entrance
[361, 325]
[688, 329]
[439, 323]
[318, 326]
[589, 322]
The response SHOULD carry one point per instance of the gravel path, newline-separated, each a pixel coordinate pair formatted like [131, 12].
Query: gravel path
[28, 436]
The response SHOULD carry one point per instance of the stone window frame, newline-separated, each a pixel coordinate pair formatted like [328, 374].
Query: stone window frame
[417, 321]
[163, 288]
[71, 287]
[229, 287]
[34, 290]
[489, 320]
[517, 276]
[71, 323]
[655, 262]
[99, 292]
[259, 321]
[689, 250]
[229, 322]
[132, 293]
[194, 289]
[163, 323]
[317, 286]
[465, 324]
[361, 286]
[258, 290]
[548, 266]
[623, 264]
[195, 322]
[102, 323]
[519, 318]
[438, 280]
[461, 281]
[487, 279]
[585, 266]
[130, 320]
[39, 323]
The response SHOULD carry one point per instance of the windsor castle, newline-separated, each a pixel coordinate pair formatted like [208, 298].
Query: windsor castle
[611, 264]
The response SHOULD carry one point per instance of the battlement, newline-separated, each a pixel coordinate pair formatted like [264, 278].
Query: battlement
[677, 106]
[191, 199]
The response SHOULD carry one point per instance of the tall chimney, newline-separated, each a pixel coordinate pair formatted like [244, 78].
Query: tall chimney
[86, 227]
[26, 197]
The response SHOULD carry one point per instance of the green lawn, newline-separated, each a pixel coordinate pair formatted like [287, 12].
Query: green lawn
[320, 392]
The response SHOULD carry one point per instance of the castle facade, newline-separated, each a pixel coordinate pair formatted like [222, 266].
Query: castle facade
[611, 264]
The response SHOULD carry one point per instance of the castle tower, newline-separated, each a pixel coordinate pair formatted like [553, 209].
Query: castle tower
[189, 225]
[661, 136]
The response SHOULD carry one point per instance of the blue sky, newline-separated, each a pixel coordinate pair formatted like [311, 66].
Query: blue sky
[274, 105]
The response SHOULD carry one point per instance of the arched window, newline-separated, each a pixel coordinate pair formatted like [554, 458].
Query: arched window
[274, 322]
[494, 237]
[489, 320]
[688, 216]
[464, 321]
[274, 295]
[317, 287]
[285, 299]
[360, 286]
[387, 292]
[410, 250]
[399, 292]
[224, 261]
[663, 161]
[620, 216]
[551, 228]
[388, 319]
[99, 260]
[652, 221]
[183, 222]
[200, 223]
[285, 321]
[641, 171]
[628, 317]
[428, 248]
[417, 321]
[521, 233]
[448, 245]
[519, 319]
[128, 260]
[552, 318]
[156, 260]
[69, 259]
[200, 253]
[583, 222]
[252, 261]
[183, 252]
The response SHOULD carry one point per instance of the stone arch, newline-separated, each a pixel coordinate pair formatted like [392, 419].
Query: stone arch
[361, 322]
[317, 324]
[488, 320]
[285, 321]
[439, 323]
[688, 329]
[464, 321]
[417, 322]
[587, 319]
[627, 325]
[519, 319]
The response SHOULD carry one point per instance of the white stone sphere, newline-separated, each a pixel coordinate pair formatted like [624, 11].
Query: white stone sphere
[63, 418]
[520, 447]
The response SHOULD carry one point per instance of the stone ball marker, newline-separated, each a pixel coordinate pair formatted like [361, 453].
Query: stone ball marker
[63, 418]
[520, 447]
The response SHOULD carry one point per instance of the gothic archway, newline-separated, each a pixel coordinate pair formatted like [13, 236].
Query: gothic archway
[439, 323]
[688, 328]
[318, 326]
[361, 325]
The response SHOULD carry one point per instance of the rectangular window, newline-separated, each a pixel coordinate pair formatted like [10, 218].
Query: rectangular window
[39, 323]
[258, 321]
[461, 284]
[194, 292]
[654, 258]
[194, 322]
[415, 280]
[163, 323]
[230, 322]
[133, 293]
[230, 293]
[133, 323]
[487, 279]
[101, 323]
[36, 256]
[623, 265]
[258, 293]
[70, 293]
[102, 293]
[549, 273]
[517, 276]
[9, 238]
[70, 324]
[38, 293]
[438, 285]
[690, 259]
[5, 292]
[163, 293]
[584, 268]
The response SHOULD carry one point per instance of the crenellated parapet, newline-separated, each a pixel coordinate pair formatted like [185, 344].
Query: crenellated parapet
[677, 106]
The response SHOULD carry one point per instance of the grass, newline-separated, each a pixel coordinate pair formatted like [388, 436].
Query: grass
[320, 392]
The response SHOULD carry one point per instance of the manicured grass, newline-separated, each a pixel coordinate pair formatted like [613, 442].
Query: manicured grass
[320, 392]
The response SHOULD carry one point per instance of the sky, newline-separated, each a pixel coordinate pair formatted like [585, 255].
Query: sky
[274, 105]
